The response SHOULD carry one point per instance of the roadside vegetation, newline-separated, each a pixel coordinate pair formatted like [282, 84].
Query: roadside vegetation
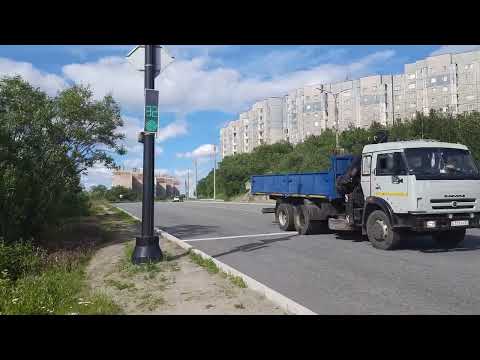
[314, 153]
[212, 268]
[48, 277]
[48, 226]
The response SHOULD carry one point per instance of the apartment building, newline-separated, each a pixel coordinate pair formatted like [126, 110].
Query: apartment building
[262, 124]
[448, 83]
[165, 185]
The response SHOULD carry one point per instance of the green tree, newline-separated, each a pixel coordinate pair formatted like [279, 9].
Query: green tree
[46, 143]
[98, 191]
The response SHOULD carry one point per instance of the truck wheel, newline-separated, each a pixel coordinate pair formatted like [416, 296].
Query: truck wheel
[302, 221]
[285, 217]
[380, 231]
[449, 239]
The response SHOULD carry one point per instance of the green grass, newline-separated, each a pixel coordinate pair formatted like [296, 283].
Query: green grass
[212, 268]
[33, 281]
[208, 264]
[150, 269]
[56, 290]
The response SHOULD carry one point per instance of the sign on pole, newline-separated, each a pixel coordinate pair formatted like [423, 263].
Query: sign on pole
[151, 111]
[162, 58]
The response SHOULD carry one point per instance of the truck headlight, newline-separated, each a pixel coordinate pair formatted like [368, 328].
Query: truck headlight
[472, 215]
[431, 224]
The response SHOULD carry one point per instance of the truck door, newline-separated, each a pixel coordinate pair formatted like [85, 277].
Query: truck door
[390, 180]
[366, 172]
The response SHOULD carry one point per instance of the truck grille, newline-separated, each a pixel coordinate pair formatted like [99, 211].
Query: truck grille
[444, 204]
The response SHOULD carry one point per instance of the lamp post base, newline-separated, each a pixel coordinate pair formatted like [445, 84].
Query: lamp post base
[147, 249]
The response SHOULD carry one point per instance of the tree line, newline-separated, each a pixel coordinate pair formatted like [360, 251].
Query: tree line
[314, 153]
[46, 144]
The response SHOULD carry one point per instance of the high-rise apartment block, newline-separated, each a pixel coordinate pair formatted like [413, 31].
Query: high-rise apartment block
[449, 83]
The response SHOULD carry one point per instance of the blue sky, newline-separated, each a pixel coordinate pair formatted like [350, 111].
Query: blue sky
[204, 88]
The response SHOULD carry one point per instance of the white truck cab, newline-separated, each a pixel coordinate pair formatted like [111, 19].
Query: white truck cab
[421, 185]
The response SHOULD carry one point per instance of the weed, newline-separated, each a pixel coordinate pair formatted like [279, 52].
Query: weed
[152, 303]
[237, 280]
[212, 268]
[208, 264]
[119, 285]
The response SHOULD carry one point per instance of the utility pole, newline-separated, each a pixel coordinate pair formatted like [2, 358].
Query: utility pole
[188, 184]
[335, 98]
[147, 247]
[214, 169]
[196, 182]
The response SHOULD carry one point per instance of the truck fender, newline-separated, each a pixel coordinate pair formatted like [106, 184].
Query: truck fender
[372, 203]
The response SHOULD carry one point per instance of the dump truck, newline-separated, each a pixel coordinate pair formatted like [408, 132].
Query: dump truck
[393, 188]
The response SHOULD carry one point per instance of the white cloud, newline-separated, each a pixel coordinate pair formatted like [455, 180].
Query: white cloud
[97, 175]
[135, 163]
[190, 85]
[172, 130]
[50, 83]
[202, 151]
[454, 49]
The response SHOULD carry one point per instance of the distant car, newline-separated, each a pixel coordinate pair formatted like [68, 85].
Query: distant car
[176, 199]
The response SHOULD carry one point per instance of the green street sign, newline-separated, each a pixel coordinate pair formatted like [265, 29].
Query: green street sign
[151, 110]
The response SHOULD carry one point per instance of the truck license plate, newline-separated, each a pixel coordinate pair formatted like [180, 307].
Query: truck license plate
[459, 223]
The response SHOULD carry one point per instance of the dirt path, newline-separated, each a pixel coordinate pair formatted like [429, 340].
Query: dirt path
[174, 286]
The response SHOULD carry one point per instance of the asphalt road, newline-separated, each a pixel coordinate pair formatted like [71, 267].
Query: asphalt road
[327, 273]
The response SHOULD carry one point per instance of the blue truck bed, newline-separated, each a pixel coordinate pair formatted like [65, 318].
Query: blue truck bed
[315, 185]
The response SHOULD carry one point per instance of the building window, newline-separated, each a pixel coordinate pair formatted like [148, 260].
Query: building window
[316, 123]
[411, 86]
[445, 78]
[433, 80]
[396, 88]
[470, 97]
[308, 107]
[411, 76]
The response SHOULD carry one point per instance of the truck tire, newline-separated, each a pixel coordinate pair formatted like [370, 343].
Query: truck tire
[380, 231]
[285, 217]
[449, 239]
[303, 224]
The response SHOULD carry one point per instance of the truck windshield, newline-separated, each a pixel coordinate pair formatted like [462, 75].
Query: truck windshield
[441, 163]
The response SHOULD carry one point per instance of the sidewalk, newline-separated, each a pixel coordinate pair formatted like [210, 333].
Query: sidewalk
[177, 285]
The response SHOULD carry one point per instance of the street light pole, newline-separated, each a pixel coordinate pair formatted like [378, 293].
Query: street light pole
[196, 179]
[147, 247]
[214, 169]
[335, 98]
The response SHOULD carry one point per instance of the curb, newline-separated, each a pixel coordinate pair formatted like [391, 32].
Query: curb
[278, 299]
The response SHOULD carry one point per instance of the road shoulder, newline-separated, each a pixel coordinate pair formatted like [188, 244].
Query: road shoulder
[177, 285]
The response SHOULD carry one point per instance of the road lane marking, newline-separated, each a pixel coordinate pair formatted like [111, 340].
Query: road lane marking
[242, 236]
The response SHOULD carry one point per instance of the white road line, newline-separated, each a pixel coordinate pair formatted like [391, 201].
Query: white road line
[242, 236]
